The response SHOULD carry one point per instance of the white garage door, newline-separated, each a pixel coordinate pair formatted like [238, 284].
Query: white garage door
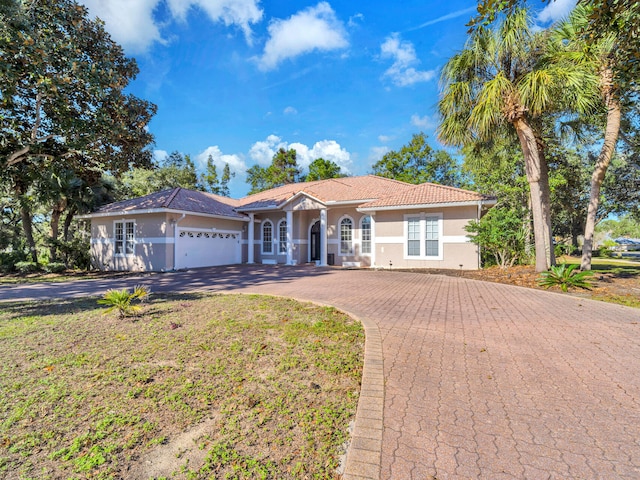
[206, 249]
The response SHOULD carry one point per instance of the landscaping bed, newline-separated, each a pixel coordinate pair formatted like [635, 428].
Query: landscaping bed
[196, 386]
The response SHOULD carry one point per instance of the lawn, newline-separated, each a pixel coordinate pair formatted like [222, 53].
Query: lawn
[196, 386]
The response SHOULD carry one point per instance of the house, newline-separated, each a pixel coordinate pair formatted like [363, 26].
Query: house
[365, 221]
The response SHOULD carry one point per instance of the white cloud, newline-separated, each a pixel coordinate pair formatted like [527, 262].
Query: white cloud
[241, 13]
[355, 20]
[159, 156]
[262, 152]
[427, 122]
[384, 138]
[236, 163]
[315, 28]
[376, 153]
[132, 24]
[402, 73]
[290, 111]
[556, 10]
[448, 16]
[327, 149]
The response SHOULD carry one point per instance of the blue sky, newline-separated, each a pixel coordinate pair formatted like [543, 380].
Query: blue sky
[238, 79]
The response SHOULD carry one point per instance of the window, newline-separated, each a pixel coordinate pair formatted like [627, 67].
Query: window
[413, 237]
[431, 237]
[125, 237]
[365, 232]
[423, 237]
[282, 237]
[346, 236]
[267, 237]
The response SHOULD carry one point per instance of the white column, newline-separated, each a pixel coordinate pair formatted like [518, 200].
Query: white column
[251, 235]
[323, 237]
[373, 239]
[290, 237]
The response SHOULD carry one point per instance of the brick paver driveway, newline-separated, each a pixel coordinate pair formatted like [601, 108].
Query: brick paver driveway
[480, 380]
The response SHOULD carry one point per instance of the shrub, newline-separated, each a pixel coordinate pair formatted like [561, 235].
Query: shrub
[565, 276]
[27, 267]
[499, 234]
[75, 252]
[120, 300]
[55, 267]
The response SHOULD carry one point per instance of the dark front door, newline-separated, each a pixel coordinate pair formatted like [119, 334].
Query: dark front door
[315, 242]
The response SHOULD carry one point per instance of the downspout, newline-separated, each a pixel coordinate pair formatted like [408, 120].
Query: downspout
[175, 239]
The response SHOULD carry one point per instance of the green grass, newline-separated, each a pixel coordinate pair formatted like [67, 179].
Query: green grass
[68, 276]
[275, 382]
[615, 266]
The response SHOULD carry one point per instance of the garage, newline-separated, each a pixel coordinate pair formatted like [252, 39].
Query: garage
[198, 248]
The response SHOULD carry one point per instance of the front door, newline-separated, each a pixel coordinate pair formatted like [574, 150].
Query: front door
[314, 241]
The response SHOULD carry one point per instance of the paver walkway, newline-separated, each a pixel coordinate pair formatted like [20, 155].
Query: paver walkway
[480, 380]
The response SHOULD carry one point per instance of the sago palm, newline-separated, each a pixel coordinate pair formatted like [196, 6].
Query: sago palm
[499, 82]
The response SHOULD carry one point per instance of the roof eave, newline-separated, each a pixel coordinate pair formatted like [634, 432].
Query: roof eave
[334, 203]
[119, 213]
[257, 209]
[428, 205]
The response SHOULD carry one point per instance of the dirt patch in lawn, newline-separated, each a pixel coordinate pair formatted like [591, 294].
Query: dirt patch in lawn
[195, 387]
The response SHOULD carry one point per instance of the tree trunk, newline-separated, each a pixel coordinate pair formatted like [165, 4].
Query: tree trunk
[614, 113]
[528, 233]
[67, 223]
[27, 224]
[538, 179]
[54, 228]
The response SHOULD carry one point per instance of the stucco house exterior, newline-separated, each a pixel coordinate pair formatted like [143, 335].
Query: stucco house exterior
[365, 221]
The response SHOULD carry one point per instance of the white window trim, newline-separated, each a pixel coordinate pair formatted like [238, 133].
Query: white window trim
[422, 236]
[280, 222]
[262, 238]
[351, 251]
[370, 235]
[124, 239]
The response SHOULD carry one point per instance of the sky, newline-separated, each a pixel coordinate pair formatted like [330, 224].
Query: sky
[342, 80]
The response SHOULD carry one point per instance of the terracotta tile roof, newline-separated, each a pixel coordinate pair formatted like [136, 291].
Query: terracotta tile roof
[344, 189]
[370, 190]
[427, 194]
[178, 199]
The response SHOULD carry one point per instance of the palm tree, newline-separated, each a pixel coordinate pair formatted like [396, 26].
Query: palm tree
[498, 83]
[568, 47]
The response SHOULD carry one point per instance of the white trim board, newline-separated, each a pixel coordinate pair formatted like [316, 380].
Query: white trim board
[455, 239]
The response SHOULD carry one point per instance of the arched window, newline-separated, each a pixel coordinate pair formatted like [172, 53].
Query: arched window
[267, 237]
[365, 234]
[346, 236]
[282, 237]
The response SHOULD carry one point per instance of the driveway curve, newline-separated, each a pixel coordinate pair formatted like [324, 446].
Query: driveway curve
[463, 378]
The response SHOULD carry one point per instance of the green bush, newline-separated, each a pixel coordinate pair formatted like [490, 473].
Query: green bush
[27, 267]
[75, 253]
[565, 276]
[55, 267]
[8, 259]
[500, 236]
